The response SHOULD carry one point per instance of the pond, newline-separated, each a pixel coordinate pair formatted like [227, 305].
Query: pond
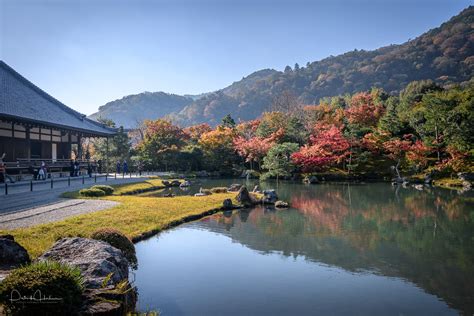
[367, 249]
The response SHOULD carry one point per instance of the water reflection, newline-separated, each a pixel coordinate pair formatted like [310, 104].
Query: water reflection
[425, 238]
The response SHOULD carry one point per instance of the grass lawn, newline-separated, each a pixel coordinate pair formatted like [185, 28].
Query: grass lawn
[134, 217]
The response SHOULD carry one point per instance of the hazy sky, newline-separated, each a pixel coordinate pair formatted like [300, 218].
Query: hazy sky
[88, 52]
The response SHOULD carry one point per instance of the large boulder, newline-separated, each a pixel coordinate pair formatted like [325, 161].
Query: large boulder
[234, 187]
[96, 259]
[12, 254]
[245, 198]
[270, 196]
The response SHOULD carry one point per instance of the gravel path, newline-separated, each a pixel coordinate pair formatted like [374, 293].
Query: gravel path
[53, 212]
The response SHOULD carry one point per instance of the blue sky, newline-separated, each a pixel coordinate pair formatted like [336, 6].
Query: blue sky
[88, 52]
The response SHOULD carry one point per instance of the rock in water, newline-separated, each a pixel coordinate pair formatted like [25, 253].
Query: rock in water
[419, 187]
[235, 187]
[96, 259]
[185, 184]
[281, 204]
[175, 183]
[12, 254]
[227, 204]
[311, 180]
[269, 197]
[244, 197]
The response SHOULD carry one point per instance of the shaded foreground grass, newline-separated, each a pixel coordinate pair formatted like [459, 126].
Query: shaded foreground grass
[137, 217]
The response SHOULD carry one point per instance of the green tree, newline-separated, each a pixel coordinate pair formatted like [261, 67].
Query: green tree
[278, 160]
[116, 148]
[228, 121]
[161, 145]
[412, 95]
[390, 121]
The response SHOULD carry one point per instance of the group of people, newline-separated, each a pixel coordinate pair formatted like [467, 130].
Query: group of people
[74, 168]
[41, 173]
[119, 167]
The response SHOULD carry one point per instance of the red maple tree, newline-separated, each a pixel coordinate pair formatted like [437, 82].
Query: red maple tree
[328, 146]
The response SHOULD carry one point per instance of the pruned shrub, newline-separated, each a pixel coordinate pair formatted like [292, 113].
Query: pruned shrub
[118, 240]
[92, 192]
[60, 284]
[219, 190]
[108, 190]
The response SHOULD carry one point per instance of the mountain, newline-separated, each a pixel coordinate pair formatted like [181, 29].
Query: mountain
[444, 54]
[133, 109]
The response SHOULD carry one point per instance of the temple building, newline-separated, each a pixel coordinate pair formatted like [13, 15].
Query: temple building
[36, 127]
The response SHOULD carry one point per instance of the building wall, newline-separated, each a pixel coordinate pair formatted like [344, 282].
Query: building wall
[15, 143]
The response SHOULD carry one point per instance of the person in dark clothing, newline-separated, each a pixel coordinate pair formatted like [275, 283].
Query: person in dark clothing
[125, 167]
[89, 169]
[33, 171]
[99, 166]
[76, 168]
[139, 167]
[119, 167]
[71, 169]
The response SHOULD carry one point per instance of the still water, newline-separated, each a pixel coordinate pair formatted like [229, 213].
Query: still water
[367, 249]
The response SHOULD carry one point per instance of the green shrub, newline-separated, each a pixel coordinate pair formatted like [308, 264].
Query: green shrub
[108, 190]
[219, 190]
[92, 192]
[118, 240]
[48, 279]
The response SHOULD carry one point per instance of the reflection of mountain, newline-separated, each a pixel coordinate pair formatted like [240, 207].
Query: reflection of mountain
[424, 237]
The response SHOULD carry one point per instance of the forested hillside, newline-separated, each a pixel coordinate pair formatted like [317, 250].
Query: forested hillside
[444, 54]
[131, 110]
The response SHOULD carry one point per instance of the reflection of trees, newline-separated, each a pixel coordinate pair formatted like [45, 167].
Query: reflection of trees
[425, 237]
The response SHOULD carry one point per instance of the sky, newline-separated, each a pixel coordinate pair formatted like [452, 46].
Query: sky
[86, 53]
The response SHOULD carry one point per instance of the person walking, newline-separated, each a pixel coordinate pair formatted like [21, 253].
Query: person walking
[99, 166]
[125, 167]
[89, 169]
[119, 167]
[140, 167]
[71, 168]
[43, 172]
[76, 168]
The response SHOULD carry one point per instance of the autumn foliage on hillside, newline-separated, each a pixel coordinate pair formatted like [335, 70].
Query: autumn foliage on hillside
[425, 128]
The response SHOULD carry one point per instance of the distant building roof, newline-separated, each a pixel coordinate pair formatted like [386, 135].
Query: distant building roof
[21, 99]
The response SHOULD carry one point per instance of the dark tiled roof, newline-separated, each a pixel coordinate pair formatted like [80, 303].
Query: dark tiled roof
[19, 98]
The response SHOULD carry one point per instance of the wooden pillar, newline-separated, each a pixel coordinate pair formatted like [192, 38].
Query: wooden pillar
[69, 144]
[107, 154]
[28, 142]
